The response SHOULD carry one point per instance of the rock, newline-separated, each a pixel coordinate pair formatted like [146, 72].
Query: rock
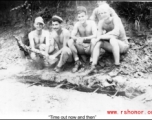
[48, 76]
[105, 80]
[121, 81]
[149, 38]
[102, 78]
[113, 73]
[138, 74]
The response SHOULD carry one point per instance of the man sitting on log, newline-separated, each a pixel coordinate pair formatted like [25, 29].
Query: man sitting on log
[83, 37]
[60, 36]
[111, 37]
[39, 40]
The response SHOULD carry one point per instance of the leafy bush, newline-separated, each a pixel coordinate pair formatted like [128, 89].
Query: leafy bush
[133, 11]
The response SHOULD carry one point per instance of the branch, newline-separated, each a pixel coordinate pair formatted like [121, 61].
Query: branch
[49, 59]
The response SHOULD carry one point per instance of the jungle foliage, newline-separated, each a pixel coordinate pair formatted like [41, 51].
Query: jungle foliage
[26, 10]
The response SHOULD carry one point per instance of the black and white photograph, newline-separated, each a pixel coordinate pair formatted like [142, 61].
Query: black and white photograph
[75, 59]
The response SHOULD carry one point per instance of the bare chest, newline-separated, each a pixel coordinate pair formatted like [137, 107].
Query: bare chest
[85, 31]
[39, 39]
[59, 40]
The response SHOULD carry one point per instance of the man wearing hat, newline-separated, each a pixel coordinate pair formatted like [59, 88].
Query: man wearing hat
[39, 39]
[60, 37]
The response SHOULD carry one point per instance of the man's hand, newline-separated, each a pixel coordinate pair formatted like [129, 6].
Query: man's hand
[79, 40]
[45, 54]
[52, 59]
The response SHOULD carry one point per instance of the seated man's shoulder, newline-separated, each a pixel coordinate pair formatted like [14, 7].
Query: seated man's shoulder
[65, 31]
[46, 32]
[77, 24]
[31, 34]
[91, 22]
[54, 34]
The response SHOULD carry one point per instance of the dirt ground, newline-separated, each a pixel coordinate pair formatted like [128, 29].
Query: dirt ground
[19, 99]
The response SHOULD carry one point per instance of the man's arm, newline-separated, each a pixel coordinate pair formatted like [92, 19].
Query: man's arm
[74, 32]
[116, 21]
[47, 42]
[31, 40]
[101, 32]
[66, 38]
[100, 29]
[52, 44]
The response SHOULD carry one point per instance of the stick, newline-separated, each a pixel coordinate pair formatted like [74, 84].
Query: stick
[26, 48]
[96, 90]
[49, 59]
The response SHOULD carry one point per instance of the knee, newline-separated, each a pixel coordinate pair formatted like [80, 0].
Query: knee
[93, 41]
[98, 44]
[33, 56]
[65, 50]
[113, 42]
[70, 42]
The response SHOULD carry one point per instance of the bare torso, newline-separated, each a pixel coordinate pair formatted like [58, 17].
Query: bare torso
[59, 38]
[39, 39]
[85, 30]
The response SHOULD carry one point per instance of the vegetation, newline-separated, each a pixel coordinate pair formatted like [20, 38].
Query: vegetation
[25, 10]
[133, 11]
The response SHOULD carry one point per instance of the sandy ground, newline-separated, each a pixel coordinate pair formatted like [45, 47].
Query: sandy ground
[18, 98]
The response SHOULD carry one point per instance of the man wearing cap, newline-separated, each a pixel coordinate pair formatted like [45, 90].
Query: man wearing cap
[39, 39]
[83, 37]
[60, 37]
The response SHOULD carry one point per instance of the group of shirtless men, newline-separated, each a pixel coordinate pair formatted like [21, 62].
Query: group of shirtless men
[103, 30]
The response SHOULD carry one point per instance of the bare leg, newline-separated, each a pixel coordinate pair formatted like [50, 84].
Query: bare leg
[73, 48]
[96, 53]
[93, 43]
[115, 50]
[76, 48]
[116, 47]
[66, 55]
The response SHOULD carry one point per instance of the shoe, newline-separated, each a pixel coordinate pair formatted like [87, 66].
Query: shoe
[77, 66]
[92, 70]
[82, 69]
[58, 69]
